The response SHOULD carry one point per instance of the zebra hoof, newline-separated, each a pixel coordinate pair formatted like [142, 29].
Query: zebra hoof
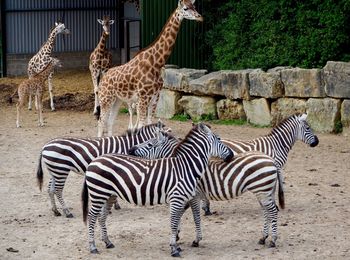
[70, 215]
[176, 253]
[207, 213]
[272, 244]
[94, 251]
[261, 241]
[57, 213]
[195, 244]
[110, 245]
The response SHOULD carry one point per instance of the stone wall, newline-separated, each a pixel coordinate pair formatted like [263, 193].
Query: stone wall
[262, 97]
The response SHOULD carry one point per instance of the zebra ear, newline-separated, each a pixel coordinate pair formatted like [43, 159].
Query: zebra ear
[303, 117]
[159, 124]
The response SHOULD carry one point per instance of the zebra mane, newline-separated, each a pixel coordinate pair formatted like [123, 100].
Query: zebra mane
[284, 122]
[194, 128]
[130, 132]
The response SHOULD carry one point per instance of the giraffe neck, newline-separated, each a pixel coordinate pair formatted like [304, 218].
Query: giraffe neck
[45, 73]
[49, 44]
[162, 47]
[102, 44]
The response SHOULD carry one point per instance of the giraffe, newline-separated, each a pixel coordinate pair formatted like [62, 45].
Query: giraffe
[139, 81]
[40, 60]
[135, 2]
[35, 86]
[100, 58]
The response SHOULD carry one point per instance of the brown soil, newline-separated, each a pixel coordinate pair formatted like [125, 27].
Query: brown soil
[315, 223]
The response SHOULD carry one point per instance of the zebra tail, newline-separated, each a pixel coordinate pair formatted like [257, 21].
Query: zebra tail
[85, 201]
[280, 189]
[98, 112]
[39, 173]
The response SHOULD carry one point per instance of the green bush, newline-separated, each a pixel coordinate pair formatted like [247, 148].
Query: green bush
[268, 33]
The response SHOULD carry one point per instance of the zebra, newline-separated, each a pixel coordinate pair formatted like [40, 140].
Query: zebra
[249, 171]
[62, 155]
[148, 182]
[277, 144]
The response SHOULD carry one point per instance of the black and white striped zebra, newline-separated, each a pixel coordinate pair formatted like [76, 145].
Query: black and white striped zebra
[62, 155]
[249, 171]
[277, 144]
[147, 182]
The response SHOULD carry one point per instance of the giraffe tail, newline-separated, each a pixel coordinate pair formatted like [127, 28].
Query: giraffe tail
[280, 189]
[39, 173]
[98, 112]
[85, 201]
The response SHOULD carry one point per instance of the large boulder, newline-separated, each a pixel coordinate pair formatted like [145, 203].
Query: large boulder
[345, 113]
[209, 85]
[196, 106]
[235, 83]
[323, 114]
[303, 82]
[178, 79]
[229, 109]
[337, 79]
[168, 105]
[285, 107]
[257, 111]
[266, 84]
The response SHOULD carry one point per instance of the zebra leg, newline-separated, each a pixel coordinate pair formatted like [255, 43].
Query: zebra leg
[59, 185]
[195, 206]
[176, 213]
[265, 232]
[206, 207]
[273, 216]
[102, 221]
[51, 190]
[92, 217]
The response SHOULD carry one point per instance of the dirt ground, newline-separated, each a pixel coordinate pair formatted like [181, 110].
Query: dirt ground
[314, 225]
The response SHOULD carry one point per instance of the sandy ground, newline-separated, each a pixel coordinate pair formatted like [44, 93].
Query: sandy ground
[314, 225]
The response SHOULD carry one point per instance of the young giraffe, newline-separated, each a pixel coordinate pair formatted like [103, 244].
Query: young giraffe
[139, 81]
[40, 60]
[35, 86]
[100, 58]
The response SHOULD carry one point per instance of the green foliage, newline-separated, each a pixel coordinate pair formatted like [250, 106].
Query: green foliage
[338, 127]
[124, 110]
[268, 33]
[181, 117]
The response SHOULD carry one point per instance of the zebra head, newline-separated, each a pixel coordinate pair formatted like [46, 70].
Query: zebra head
[159, 147]
[216, 147]
[305, 133]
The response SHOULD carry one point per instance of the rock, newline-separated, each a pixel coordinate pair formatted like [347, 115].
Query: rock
[178, 79]
[196, 106]
[303, 82]
[337, 79]
[266, 84]
[345, 117]
[285, 107]
[323, 114]
[168, 105]
[229, 109]
[235, 83]
[209, 85]
[257, 111]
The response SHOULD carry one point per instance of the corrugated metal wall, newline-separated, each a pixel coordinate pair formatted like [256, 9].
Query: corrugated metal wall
[28, 24]
[187, 52]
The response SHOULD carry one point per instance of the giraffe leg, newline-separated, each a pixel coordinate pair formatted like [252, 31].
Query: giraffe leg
[40, 110]
[95, 76]
[30, 102]
[102, 121]
[113, 113]
[142, 108]
[152, 108]
[51, 92]
[19, 107]
[130, 109]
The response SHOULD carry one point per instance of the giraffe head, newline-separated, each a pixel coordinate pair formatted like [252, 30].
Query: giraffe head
[106, 22]
[61, 28]
[186, 9]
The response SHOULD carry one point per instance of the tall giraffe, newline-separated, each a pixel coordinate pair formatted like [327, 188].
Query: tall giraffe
[40, 60]
[139, 81]
[100, 58]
